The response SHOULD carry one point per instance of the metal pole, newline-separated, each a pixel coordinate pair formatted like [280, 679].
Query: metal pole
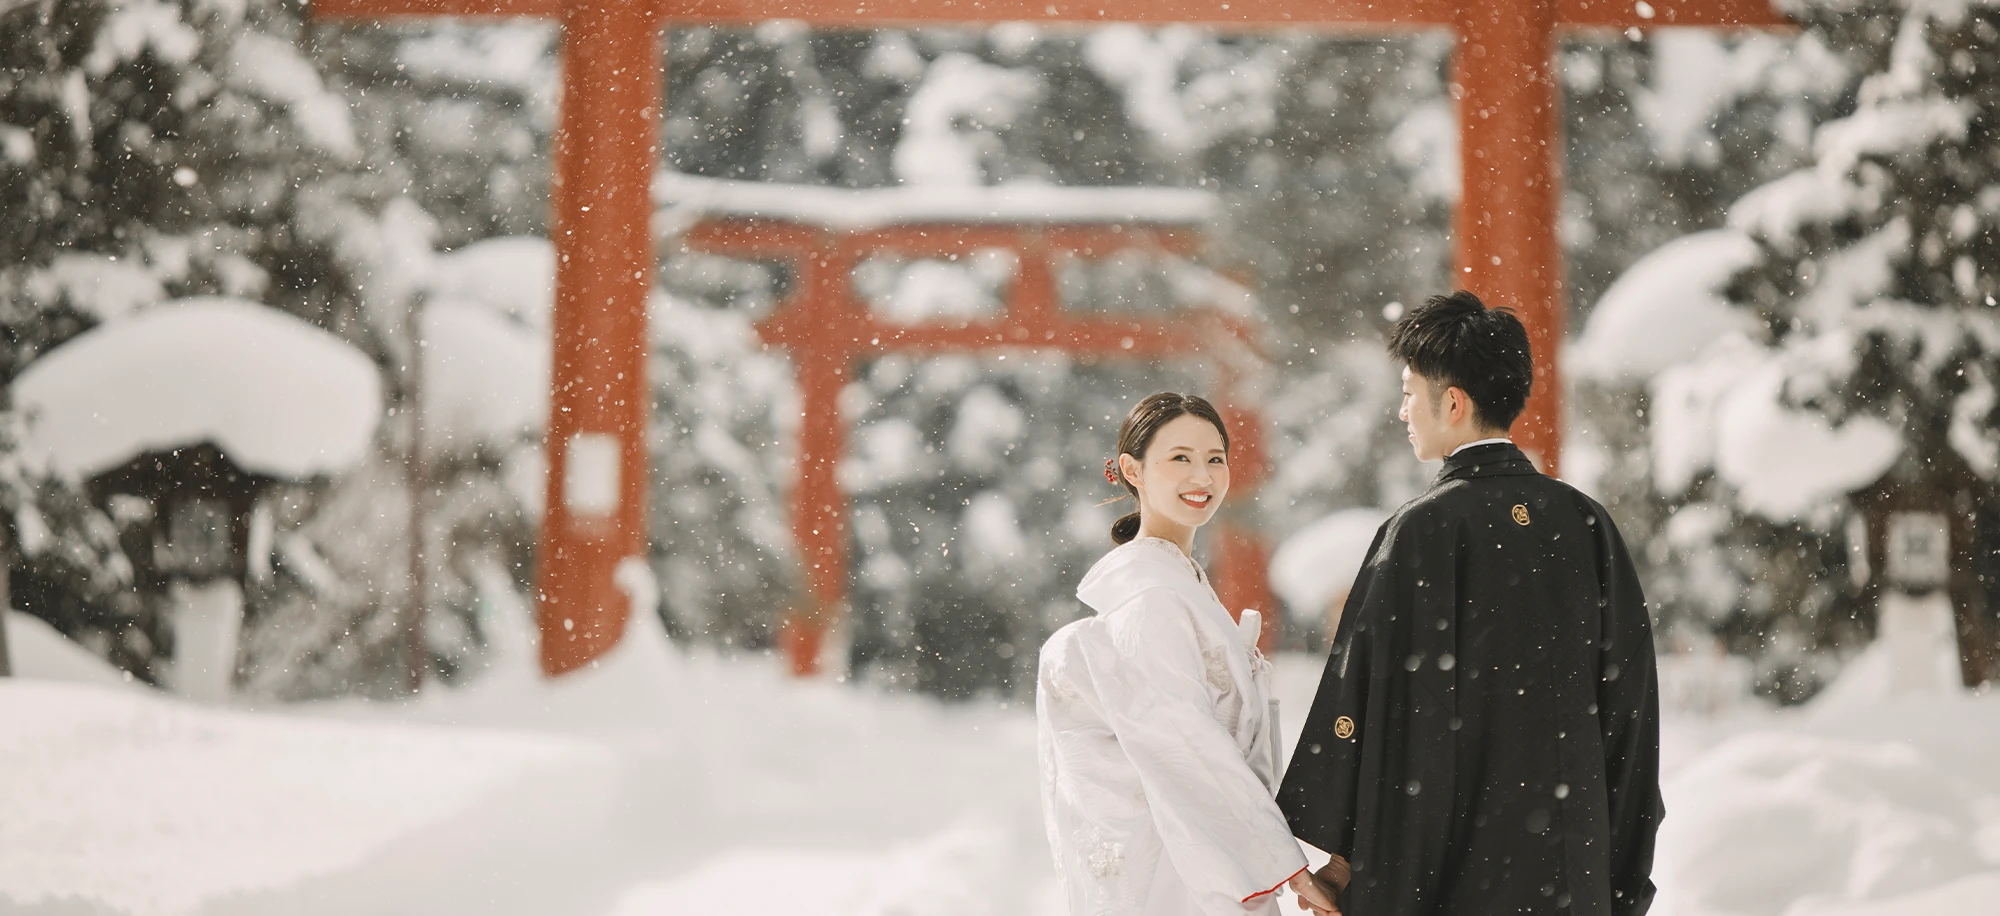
[415, 655]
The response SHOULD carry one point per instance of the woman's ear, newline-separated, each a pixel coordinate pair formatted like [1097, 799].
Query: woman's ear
[1129, 467]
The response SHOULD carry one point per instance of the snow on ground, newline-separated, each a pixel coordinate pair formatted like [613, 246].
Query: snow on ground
[279, 396]
[41, 653]
[666, 783]
[118, 801]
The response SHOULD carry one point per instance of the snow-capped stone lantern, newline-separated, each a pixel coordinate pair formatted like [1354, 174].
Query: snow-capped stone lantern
[1923, 544]
[181, 420]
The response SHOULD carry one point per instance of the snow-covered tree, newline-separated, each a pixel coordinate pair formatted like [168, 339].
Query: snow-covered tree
[151, 150]
[1858, 356]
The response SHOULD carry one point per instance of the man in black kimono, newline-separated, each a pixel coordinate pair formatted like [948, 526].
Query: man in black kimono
[1486, 736]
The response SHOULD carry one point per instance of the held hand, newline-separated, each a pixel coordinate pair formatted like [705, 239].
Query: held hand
[1313, 895]
[1335, 874]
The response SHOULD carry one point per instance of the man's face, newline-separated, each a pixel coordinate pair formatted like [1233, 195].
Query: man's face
[1422, 414]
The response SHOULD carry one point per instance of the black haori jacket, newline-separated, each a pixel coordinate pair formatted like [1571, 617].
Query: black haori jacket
[1486, 737]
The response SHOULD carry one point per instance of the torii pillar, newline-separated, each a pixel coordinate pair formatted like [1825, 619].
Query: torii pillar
[606, 150]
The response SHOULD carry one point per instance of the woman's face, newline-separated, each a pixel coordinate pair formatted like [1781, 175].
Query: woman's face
[1185, 474]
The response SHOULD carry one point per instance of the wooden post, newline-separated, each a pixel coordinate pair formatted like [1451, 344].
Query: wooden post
[1508, 253]
[606, 152]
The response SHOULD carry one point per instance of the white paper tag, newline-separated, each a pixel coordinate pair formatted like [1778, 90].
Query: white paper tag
[591, 475]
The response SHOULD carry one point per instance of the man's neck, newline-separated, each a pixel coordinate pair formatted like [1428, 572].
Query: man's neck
[1485, 438]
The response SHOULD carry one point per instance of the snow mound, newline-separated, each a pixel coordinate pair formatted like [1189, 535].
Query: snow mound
[1915, 654]
[120, 802]
[1785, 462]
[1320, 562]
[38, 652]
[486, 379]
[1665, 310]
[276, 394]
[1890, 818]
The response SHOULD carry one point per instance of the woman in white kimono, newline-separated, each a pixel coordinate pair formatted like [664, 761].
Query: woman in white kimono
[1156, 728]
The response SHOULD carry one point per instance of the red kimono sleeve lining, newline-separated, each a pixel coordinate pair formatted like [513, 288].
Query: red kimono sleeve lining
[1274, 888]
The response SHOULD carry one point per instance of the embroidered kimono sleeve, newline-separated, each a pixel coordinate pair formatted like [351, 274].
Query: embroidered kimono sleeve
[1220, 825]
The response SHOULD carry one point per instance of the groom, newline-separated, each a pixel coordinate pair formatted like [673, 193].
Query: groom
[1486, 736]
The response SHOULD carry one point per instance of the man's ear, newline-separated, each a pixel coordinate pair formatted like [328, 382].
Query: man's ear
[1460, 407]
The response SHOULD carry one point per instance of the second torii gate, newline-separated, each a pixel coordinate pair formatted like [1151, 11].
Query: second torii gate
[821, 235]
[607, 147]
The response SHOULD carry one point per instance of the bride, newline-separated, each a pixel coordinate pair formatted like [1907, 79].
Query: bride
[1155, 724]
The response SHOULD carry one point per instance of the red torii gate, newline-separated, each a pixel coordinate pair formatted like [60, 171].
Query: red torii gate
[822, 234]
[607, 145]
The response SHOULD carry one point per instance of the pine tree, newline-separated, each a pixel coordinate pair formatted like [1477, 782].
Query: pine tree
[1874, 322]
[153, 151]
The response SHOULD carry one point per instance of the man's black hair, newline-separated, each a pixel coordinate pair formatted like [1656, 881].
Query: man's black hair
[1457, 341]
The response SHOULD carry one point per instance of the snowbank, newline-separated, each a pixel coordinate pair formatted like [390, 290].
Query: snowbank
[120, 802]
[1665, 310]
[1803, 825]
[685, 198]
[276, 394]
[1877, 799]
[663, 783]
[1864, 804]
[1319, 563]
[950, 874]
[40, 653]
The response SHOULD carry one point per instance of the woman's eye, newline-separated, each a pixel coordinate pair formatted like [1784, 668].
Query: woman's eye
[1180, 457]
[1216, 461]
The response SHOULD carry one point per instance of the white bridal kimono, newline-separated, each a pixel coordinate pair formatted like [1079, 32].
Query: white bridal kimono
[1159, 747]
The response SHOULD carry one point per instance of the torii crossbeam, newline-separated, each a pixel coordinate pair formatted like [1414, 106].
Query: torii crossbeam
[607, 147]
